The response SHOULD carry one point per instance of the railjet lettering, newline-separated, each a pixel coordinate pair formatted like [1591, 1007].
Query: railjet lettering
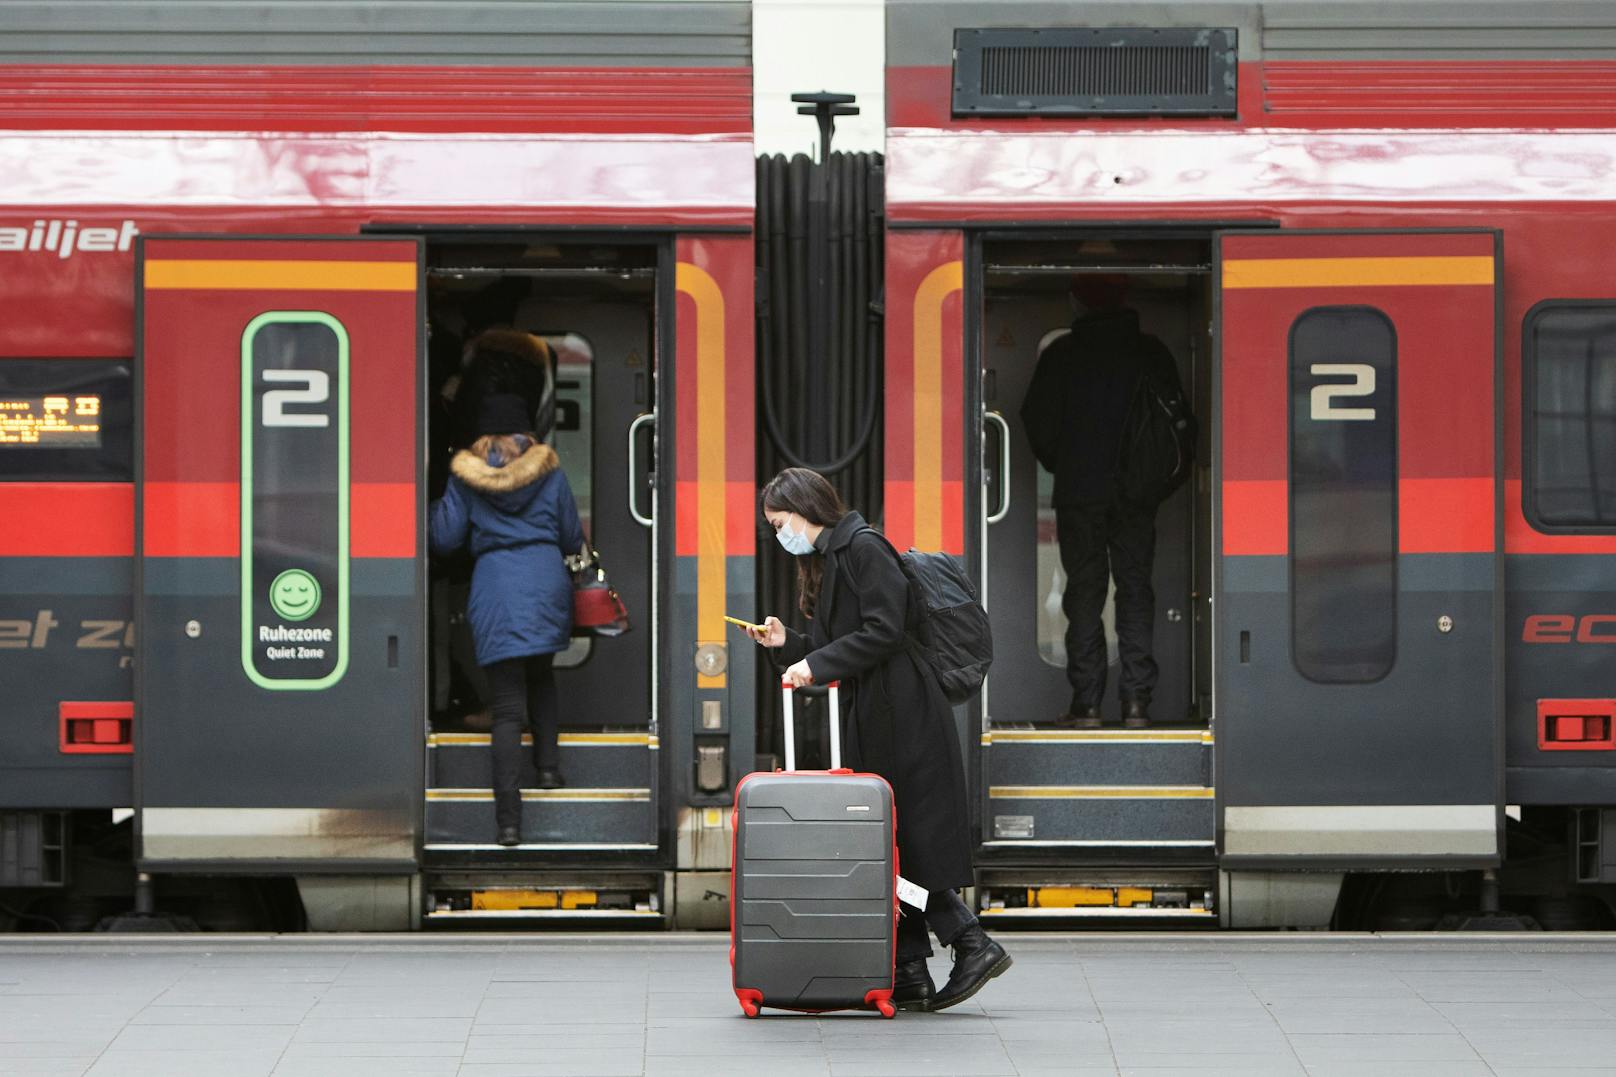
[65, 238]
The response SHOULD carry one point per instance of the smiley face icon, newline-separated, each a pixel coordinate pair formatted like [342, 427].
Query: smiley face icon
[295, 595]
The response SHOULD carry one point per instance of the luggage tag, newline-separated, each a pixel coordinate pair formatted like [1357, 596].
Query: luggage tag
[912, 895]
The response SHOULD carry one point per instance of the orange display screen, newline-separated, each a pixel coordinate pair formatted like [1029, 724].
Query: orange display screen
[58, 421]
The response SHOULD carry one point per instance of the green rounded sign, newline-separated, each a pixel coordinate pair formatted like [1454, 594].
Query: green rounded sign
[295, 595]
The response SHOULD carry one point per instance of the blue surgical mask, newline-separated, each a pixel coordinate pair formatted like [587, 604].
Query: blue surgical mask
[795, 542]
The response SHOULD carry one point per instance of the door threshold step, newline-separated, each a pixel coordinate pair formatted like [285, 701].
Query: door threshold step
[1098, 912]
[1101, 792]
[544, 914]
[602, 739]
[1033, 735]
[565, 795]
[1103, 843]
[541, 847]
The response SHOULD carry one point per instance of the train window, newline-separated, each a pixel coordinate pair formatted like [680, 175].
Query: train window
[64, 420]
[1570, 390]
[1343, 504]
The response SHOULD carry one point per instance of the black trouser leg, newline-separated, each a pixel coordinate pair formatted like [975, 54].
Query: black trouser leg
[1082, 535]
[945, 914]
[543, 711]
[1133, 554]
[508, 700]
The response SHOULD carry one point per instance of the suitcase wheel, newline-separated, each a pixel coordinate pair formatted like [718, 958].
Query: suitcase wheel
[886, 1007]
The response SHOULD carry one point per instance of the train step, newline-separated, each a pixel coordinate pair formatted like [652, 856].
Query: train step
[593, 759]
[576, 819]
[1107, 790]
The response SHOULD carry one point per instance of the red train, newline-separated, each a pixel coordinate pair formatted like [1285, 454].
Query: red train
[1374, 242]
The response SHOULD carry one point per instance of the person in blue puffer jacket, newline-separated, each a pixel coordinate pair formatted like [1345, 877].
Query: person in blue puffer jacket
[509, 499]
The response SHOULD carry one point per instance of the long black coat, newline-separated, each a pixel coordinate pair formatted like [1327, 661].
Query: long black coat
[896, 721]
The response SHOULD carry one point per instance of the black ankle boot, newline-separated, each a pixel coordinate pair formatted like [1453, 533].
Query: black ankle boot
[550, 778]
[510, 835]
[977, 959]
[912, 988]
[1136, 714]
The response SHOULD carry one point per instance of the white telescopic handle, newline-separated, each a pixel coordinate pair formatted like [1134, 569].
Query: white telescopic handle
[787, 702]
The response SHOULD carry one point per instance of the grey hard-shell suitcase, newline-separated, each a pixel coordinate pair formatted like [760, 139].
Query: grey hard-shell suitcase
[813, 897]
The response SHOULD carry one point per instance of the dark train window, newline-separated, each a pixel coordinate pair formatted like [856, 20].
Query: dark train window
[1343, 469]
[66, 420]
[1570, 399]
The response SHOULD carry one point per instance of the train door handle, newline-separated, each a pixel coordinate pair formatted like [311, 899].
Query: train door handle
[643, 520]
[1004, 463]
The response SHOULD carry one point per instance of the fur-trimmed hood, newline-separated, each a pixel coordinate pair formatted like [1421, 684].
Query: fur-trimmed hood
[538, 461]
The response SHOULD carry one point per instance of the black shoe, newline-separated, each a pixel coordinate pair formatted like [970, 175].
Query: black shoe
[977, 959]
[912, 988]
[1080, 718]
[550, 778]
[510, 835]
[1136, 714]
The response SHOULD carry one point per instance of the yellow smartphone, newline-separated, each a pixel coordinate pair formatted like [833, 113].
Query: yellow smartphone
[738, 623]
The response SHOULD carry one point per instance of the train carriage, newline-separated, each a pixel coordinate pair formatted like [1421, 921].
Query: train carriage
[1375, 238]
[236, 275]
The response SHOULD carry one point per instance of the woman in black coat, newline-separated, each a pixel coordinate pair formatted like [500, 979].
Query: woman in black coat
[898, 723]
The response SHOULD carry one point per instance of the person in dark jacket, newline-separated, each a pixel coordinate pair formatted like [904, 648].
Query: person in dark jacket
[897, 722]
[510, 501]
[1074, 412]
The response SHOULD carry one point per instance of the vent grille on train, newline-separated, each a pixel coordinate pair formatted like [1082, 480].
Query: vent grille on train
[1095, 72]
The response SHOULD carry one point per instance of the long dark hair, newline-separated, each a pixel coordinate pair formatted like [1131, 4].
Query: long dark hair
[811, 496]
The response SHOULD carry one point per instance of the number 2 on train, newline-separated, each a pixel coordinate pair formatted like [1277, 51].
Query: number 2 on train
[1362, 384]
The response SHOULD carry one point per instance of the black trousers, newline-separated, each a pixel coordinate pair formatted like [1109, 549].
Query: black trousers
[1096, 542]
[945, 914]
[522, 690]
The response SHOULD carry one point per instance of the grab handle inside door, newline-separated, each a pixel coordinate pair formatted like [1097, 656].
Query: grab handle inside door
[1004, 464]
[634, 468]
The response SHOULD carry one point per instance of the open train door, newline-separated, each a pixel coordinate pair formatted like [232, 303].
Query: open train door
[279, 686]
[1357, 693]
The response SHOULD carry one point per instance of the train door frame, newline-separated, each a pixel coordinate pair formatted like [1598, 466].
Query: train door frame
[663, 359]
[976, 420]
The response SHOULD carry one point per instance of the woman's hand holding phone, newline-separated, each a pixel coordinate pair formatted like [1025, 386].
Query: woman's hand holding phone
[771, 633]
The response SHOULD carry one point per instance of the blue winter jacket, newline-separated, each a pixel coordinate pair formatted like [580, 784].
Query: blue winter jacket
[520, 519]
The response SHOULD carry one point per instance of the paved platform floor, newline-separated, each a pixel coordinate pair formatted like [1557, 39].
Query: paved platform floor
[484, 1006]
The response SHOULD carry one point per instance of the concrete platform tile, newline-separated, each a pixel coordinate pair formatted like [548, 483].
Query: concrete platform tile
[236, 1063]
[614, 1036]
[1526, 1013]
[1293, 1070]
[403, 1050]
[581, 1059]
[922, 1069]
[545, 1069]
[206, 994]
[706, 1067]
[1477, 1068]
[202, 1037]
[385, 1030]
[1336, 1048]
[45, 1067]
[410, 1008]
[1442, 987]
[219, 1015]
[366, 1067]
[1414, 1022]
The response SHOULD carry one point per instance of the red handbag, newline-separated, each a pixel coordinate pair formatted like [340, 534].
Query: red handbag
[597, 609]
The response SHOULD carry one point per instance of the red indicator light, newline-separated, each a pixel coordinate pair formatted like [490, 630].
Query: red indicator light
[1576, 725]
[96, 728]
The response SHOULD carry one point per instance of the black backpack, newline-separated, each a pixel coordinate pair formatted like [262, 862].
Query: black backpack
[1157, 451]
[951, 629]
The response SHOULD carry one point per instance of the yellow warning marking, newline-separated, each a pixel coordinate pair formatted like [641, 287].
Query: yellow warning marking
[516, 900]
[711, 546]
[250, 274]
[568, 795]
[1355, 272]
[576, 740]
[1103, 736]
[934, 290]
[1100, 792]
